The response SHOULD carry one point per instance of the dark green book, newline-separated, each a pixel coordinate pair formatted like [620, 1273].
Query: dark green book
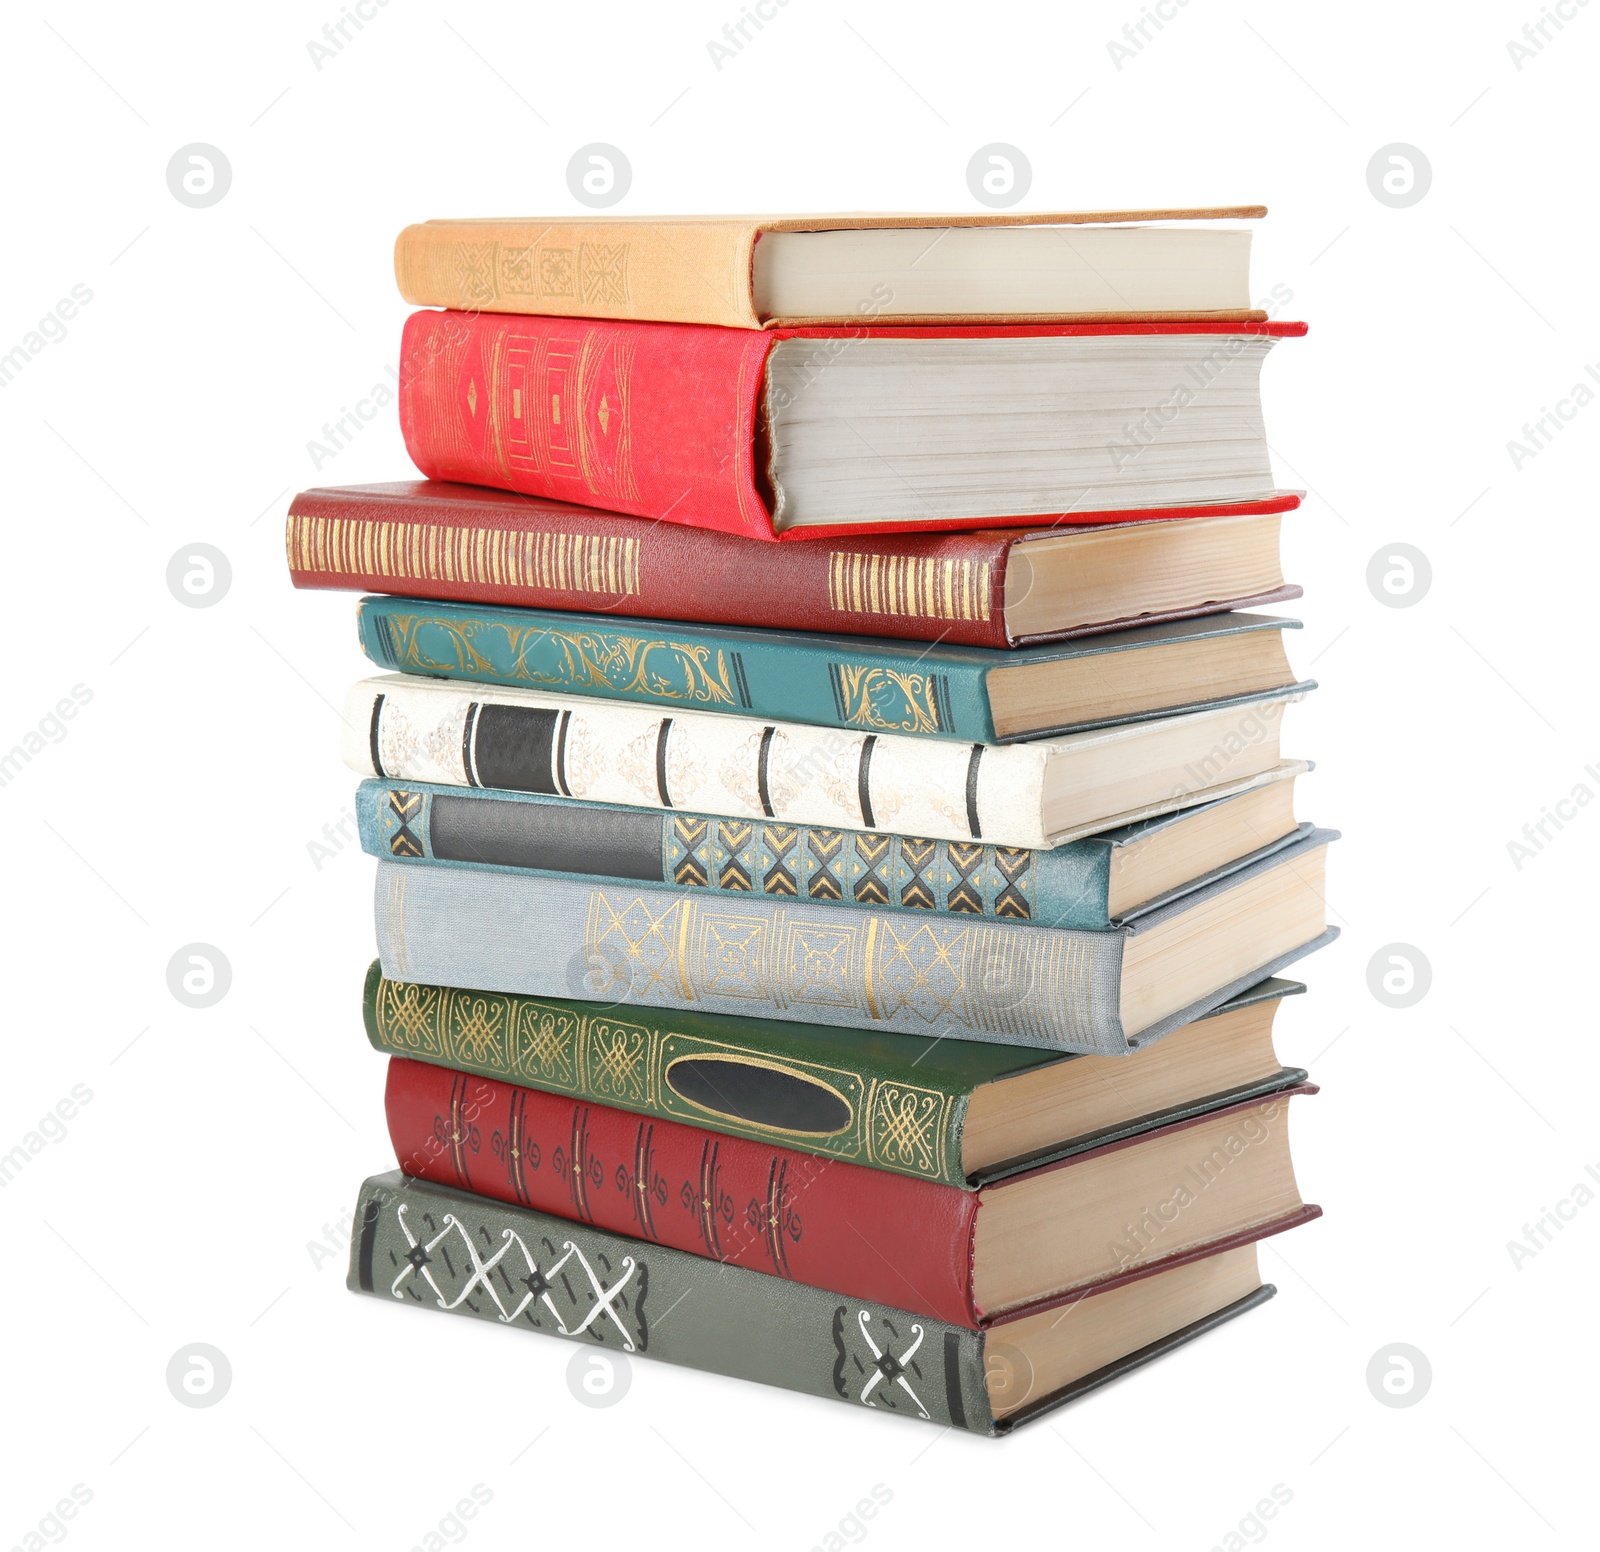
[960, 1112]
[435, 1248]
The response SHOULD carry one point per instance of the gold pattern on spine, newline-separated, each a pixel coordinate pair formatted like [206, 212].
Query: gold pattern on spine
[912, 586]
[426, 552]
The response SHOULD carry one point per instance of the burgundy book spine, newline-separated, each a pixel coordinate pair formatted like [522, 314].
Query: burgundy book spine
[434, 539]
[861, 1232]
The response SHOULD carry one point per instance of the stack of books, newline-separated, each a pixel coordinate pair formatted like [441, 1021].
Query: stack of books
[835, 855]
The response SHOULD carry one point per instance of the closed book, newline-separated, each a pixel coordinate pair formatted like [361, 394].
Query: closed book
[471, 544]
[1007, 982]
[975, 694]
[955, 1111]
[961, 1256]
[1039, 793]
[1098, 882]
[783, 433]
[755, 271]
[432, 1247]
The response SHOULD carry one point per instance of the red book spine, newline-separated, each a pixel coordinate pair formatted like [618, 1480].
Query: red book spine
[653, 420]
[859, 1232]
[430, 539]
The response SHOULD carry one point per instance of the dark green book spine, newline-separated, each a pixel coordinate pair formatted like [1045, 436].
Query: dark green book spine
[433, 1248]
[757, 1078]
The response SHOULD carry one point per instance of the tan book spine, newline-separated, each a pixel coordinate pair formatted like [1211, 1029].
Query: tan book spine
[667, 272]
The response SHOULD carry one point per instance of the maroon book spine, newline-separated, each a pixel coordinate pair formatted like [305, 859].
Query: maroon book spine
[434, 539]
[861, 1232]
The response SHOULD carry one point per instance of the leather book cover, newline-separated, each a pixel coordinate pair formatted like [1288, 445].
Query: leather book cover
[677, 269]
[472, 544]
[867, 1097]
[864, 1233]
[597, 413]
[430, 1247]
[934, 691]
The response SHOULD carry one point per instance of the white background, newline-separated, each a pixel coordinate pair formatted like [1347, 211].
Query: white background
[179, 1205]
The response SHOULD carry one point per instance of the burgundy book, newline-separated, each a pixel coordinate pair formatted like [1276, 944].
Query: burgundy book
[1000, 588]
[1113, 1214]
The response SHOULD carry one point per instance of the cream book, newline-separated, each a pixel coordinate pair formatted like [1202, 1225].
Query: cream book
[1039, 793]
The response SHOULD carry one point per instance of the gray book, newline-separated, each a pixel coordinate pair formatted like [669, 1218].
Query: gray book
[429, 1247]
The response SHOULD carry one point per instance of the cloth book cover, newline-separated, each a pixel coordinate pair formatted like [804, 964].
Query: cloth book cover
[935, 691]
[886, 1101]
[681, 269]
[597, 413]
[415, 729]
[865, 1233]
[425, 1246]
[471, 544]
[1007, 982]
[605, 843]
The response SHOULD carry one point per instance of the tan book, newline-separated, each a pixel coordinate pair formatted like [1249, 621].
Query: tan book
[757, 272]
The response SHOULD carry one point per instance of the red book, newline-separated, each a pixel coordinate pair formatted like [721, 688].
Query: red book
[915, 1244]
[667, 421]
[472, 544]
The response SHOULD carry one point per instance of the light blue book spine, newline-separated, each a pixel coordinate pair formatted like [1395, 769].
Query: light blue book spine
[1004, 982]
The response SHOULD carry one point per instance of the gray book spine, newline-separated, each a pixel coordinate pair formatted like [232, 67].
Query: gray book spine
[429, 1247]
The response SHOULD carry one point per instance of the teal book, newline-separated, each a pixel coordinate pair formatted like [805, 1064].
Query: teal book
[979, 695]
[430, 1247]
[1092, 884]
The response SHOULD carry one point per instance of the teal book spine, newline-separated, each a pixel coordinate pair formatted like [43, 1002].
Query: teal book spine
[827, 681]
[861, 683]
[608, 844]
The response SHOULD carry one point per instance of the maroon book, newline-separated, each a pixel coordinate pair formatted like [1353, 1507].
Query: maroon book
[918, 1245]
[472, 544]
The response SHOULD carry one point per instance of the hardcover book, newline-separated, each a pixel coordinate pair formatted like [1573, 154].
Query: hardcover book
[467, 543]
[1008, 982]
[430, 1247]
[974, 694]
[782, 433]
[963, 1257]
[1035, 794]
[955, 1111]
[1096, 883]
[756, 271]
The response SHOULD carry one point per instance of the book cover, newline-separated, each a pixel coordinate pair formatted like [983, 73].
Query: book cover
[1007, 982]
[851, 682]
[595, 412]
[471, 544]
[414, 729]
[885, 1101]
[682, 269]
[867, 1234]
[1068, 886]
[425, 1246]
